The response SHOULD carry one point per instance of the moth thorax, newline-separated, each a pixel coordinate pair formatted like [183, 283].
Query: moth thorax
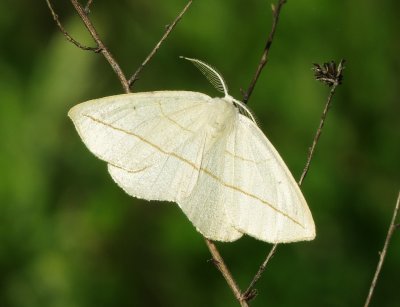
[221, 117]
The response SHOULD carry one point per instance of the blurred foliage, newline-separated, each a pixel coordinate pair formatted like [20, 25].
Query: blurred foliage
[70, 237]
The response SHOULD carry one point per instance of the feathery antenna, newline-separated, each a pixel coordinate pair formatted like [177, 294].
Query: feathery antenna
[211, 74]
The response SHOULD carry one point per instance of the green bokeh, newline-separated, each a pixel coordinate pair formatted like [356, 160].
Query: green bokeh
[70, 237]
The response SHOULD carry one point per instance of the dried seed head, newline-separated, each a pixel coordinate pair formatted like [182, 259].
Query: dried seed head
[329, 73]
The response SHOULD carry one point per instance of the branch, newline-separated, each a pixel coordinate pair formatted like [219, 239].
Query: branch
[170, 27]
[103, 49]
[330, 74]
[220, 264]
[66, 34]
[382, 256]
[264, 58]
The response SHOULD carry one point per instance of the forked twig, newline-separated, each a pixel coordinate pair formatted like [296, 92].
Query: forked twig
[83, 14]
[276, 10]
[66, 34]
[391, 230]
[170, 27]
[103, 49]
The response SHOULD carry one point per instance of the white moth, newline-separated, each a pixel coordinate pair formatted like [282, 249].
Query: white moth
[205, 154]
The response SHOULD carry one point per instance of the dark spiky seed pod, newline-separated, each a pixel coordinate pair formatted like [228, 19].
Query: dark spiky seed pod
[329, 72]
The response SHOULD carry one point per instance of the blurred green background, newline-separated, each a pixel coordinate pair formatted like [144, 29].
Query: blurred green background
[70, 237]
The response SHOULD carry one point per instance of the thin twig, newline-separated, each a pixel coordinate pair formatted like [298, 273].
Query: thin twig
[331, 75]
[382, 256]
[334, 82]
[66, 34]
[103, 49]
[251, 292]
[219, 262]
[276, 10]
[170, 27]
[318, 133]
